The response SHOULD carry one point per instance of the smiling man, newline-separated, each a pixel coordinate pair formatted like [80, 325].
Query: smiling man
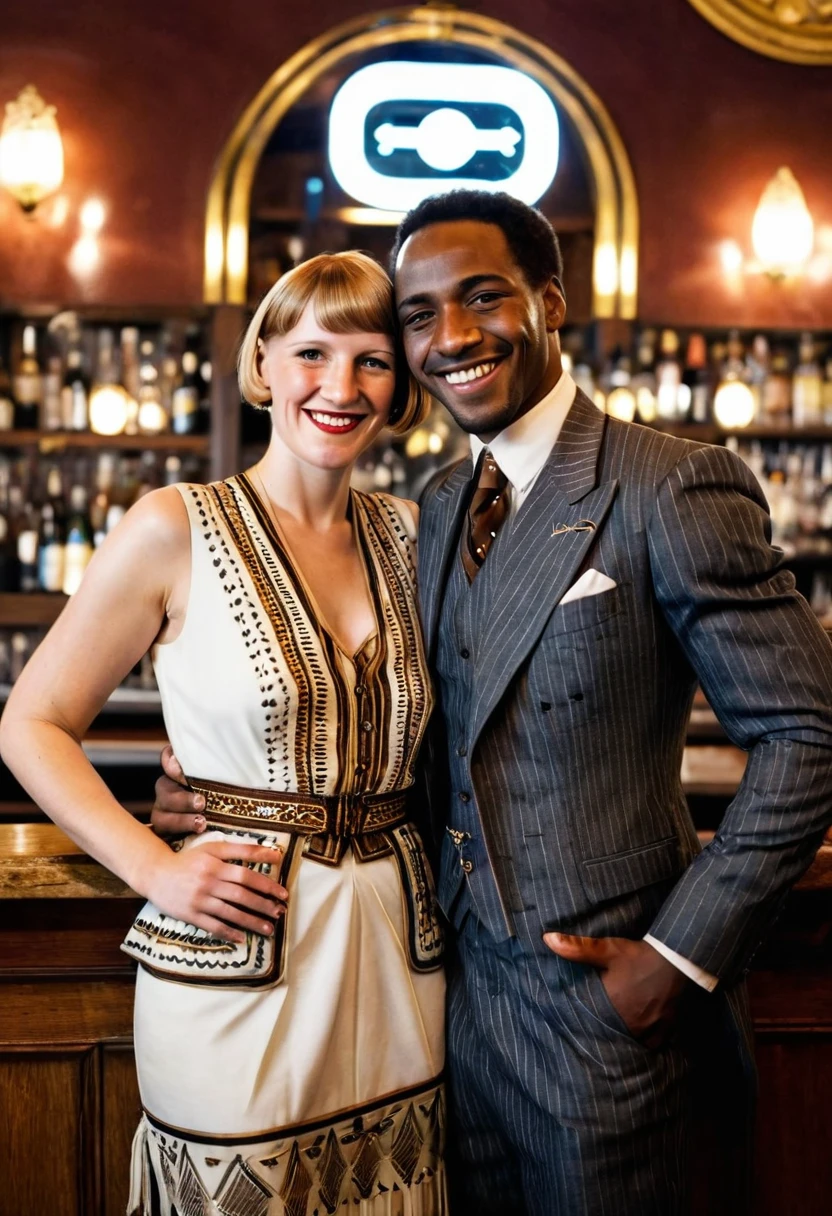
[578, 576]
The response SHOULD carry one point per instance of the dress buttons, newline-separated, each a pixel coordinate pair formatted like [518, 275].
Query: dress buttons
[360, 690]
[464, 797]
[467, 865]
[367, 726]
[465, 652]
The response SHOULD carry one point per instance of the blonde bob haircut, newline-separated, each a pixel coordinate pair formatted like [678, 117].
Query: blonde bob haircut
[351, 294]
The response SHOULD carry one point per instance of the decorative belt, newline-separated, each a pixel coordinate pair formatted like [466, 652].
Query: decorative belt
[330, 821]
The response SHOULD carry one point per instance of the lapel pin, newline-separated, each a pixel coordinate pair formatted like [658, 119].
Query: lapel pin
[583, 525]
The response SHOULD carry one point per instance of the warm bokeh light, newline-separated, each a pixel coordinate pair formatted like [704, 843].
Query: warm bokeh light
[730, 255]
[734, 405]
[84, 256]
[93, 214]
[31, 150]
[108, 407]
[783, 231]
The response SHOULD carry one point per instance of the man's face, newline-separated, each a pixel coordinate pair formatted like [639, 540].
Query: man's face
[477, 336]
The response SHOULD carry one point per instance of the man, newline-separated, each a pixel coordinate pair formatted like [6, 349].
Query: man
[578, 576]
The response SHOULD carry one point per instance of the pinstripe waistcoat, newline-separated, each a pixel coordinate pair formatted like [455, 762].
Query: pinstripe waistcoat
[567, 738]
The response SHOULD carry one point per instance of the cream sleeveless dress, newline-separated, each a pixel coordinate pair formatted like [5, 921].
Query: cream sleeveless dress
[319, 1091]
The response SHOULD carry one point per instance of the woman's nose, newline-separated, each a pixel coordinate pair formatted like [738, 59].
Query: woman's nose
[339, 385]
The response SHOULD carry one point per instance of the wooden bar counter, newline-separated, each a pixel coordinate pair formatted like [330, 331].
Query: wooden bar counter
[68, 1096]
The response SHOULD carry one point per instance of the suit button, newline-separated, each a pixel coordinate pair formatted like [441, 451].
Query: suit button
[462, 750]
[467, 865]
[464, 797]
[465, 653]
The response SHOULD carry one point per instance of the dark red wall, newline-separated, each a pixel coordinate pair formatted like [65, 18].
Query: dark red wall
[148, 92]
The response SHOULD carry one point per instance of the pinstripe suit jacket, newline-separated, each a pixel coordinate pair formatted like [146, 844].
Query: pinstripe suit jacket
[579, 711]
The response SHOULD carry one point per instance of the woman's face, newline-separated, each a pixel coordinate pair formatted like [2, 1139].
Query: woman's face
[331, 393]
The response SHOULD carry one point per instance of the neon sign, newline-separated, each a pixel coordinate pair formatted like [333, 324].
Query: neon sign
[399, 131]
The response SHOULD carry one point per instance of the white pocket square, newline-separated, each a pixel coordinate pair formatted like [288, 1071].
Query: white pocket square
[591, 582]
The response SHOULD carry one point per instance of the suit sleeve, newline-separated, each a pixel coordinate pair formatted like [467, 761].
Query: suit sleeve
[765, 665]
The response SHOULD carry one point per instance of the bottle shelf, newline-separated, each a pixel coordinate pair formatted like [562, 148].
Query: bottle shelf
[19, 609]
[707, 432]
[57, 441]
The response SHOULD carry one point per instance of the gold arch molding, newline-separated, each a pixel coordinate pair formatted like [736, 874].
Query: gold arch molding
[615, 264]
[799, 31]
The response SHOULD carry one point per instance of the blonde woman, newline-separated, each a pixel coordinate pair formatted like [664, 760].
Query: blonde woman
[289, 998]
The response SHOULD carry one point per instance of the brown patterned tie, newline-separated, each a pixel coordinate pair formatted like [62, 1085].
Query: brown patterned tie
[486, 513]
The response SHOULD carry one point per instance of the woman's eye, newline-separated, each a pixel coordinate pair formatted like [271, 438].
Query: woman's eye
[376, 364]
[310, 356]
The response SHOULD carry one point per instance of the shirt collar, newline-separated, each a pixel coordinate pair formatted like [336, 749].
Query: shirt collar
[522, 449]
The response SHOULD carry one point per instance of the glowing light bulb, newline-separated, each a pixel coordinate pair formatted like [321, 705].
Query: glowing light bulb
[783, 232]
[31, 151]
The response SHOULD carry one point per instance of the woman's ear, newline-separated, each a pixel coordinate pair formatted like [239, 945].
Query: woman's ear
[260, 366]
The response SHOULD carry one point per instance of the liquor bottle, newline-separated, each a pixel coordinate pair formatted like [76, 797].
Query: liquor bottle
[643, 382]
[807, 386]
[79, 540]
[130, 376]
[52, 413]
[21, 647]
[777, 390]
[75, 394]
[27, 547]
[206, 373]
[668, 377]
[696, 379]
[825, 521]
[104, 478]
[6, 400]
[827, 391]
[28, 384]
[52, 535]
[108, 406]
[621, 400]
[185, 398]
[152, 416]
[733, 400]
[8, 551]
[810, 496]
[759, 370]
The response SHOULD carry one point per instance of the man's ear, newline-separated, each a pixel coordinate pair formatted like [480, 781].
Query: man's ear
[554, 305]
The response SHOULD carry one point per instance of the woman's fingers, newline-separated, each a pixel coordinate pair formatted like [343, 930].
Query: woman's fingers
[236, 917]
[254, 881]
[171, 766]
[248, 900]
[218, 928]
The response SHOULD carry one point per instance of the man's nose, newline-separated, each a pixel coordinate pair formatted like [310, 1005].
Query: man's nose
[456, 331]
[339, 385]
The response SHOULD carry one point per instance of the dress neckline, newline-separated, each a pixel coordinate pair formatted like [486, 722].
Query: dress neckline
[278, 538]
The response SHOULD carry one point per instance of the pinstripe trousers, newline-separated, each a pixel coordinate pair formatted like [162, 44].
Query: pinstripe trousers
[556, 1109]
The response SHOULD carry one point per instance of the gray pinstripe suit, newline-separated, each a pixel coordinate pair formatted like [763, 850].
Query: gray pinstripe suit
[561, 732]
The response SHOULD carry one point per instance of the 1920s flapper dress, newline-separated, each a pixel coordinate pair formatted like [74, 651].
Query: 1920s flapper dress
[297, 1074]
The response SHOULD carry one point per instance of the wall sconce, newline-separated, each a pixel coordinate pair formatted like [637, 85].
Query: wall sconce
[783, 232]
[31, 151]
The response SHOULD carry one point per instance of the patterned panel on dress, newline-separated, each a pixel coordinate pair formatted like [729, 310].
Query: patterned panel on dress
[241, 1192]
[425, 937]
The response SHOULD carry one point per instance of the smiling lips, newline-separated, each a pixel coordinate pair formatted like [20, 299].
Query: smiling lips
[334, 424]
[471, 378]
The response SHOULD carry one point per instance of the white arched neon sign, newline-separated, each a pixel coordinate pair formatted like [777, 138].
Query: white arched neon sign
[446, 139]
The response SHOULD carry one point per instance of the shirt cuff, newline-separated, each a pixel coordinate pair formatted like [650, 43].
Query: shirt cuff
[703, 978]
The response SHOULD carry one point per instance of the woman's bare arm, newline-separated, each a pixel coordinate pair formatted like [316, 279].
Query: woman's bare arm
[134, 591]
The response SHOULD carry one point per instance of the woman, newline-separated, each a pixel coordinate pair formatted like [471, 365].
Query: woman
[288, 1009]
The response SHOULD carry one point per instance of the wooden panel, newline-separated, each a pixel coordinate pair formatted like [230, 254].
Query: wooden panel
[69, 938]
[121, 1108]
[41, 1103]
[794, 1163]
[53, 1013]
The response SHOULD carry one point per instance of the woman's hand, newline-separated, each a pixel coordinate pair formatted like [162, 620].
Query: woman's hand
[204, 887]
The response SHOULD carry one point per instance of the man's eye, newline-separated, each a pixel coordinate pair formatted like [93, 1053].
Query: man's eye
[487, 297]
[418, 318]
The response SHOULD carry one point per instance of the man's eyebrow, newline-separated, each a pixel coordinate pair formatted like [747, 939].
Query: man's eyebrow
[464, 285]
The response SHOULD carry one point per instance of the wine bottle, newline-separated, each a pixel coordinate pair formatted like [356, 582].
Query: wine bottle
[28, 384]
[75, 394]
[807, 387]
[185, 398]
[6, 399]
[79, 540]
[668, 377]
[696, 379]
[52, 535]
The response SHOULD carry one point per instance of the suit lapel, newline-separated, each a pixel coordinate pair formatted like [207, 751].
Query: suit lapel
[438, 534]
[537, 561]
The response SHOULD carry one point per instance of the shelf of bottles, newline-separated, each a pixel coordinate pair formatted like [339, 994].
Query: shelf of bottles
[93, 414]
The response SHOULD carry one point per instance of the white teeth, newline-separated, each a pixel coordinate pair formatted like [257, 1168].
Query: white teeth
[470, 373]
[332, 419]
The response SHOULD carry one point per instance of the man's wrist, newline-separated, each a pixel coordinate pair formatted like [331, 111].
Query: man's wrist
[699, 976]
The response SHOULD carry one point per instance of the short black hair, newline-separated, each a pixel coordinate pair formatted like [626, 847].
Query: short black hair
[530, 236]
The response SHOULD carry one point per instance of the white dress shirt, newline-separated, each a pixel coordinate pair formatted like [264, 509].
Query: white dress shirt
[521, 451]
